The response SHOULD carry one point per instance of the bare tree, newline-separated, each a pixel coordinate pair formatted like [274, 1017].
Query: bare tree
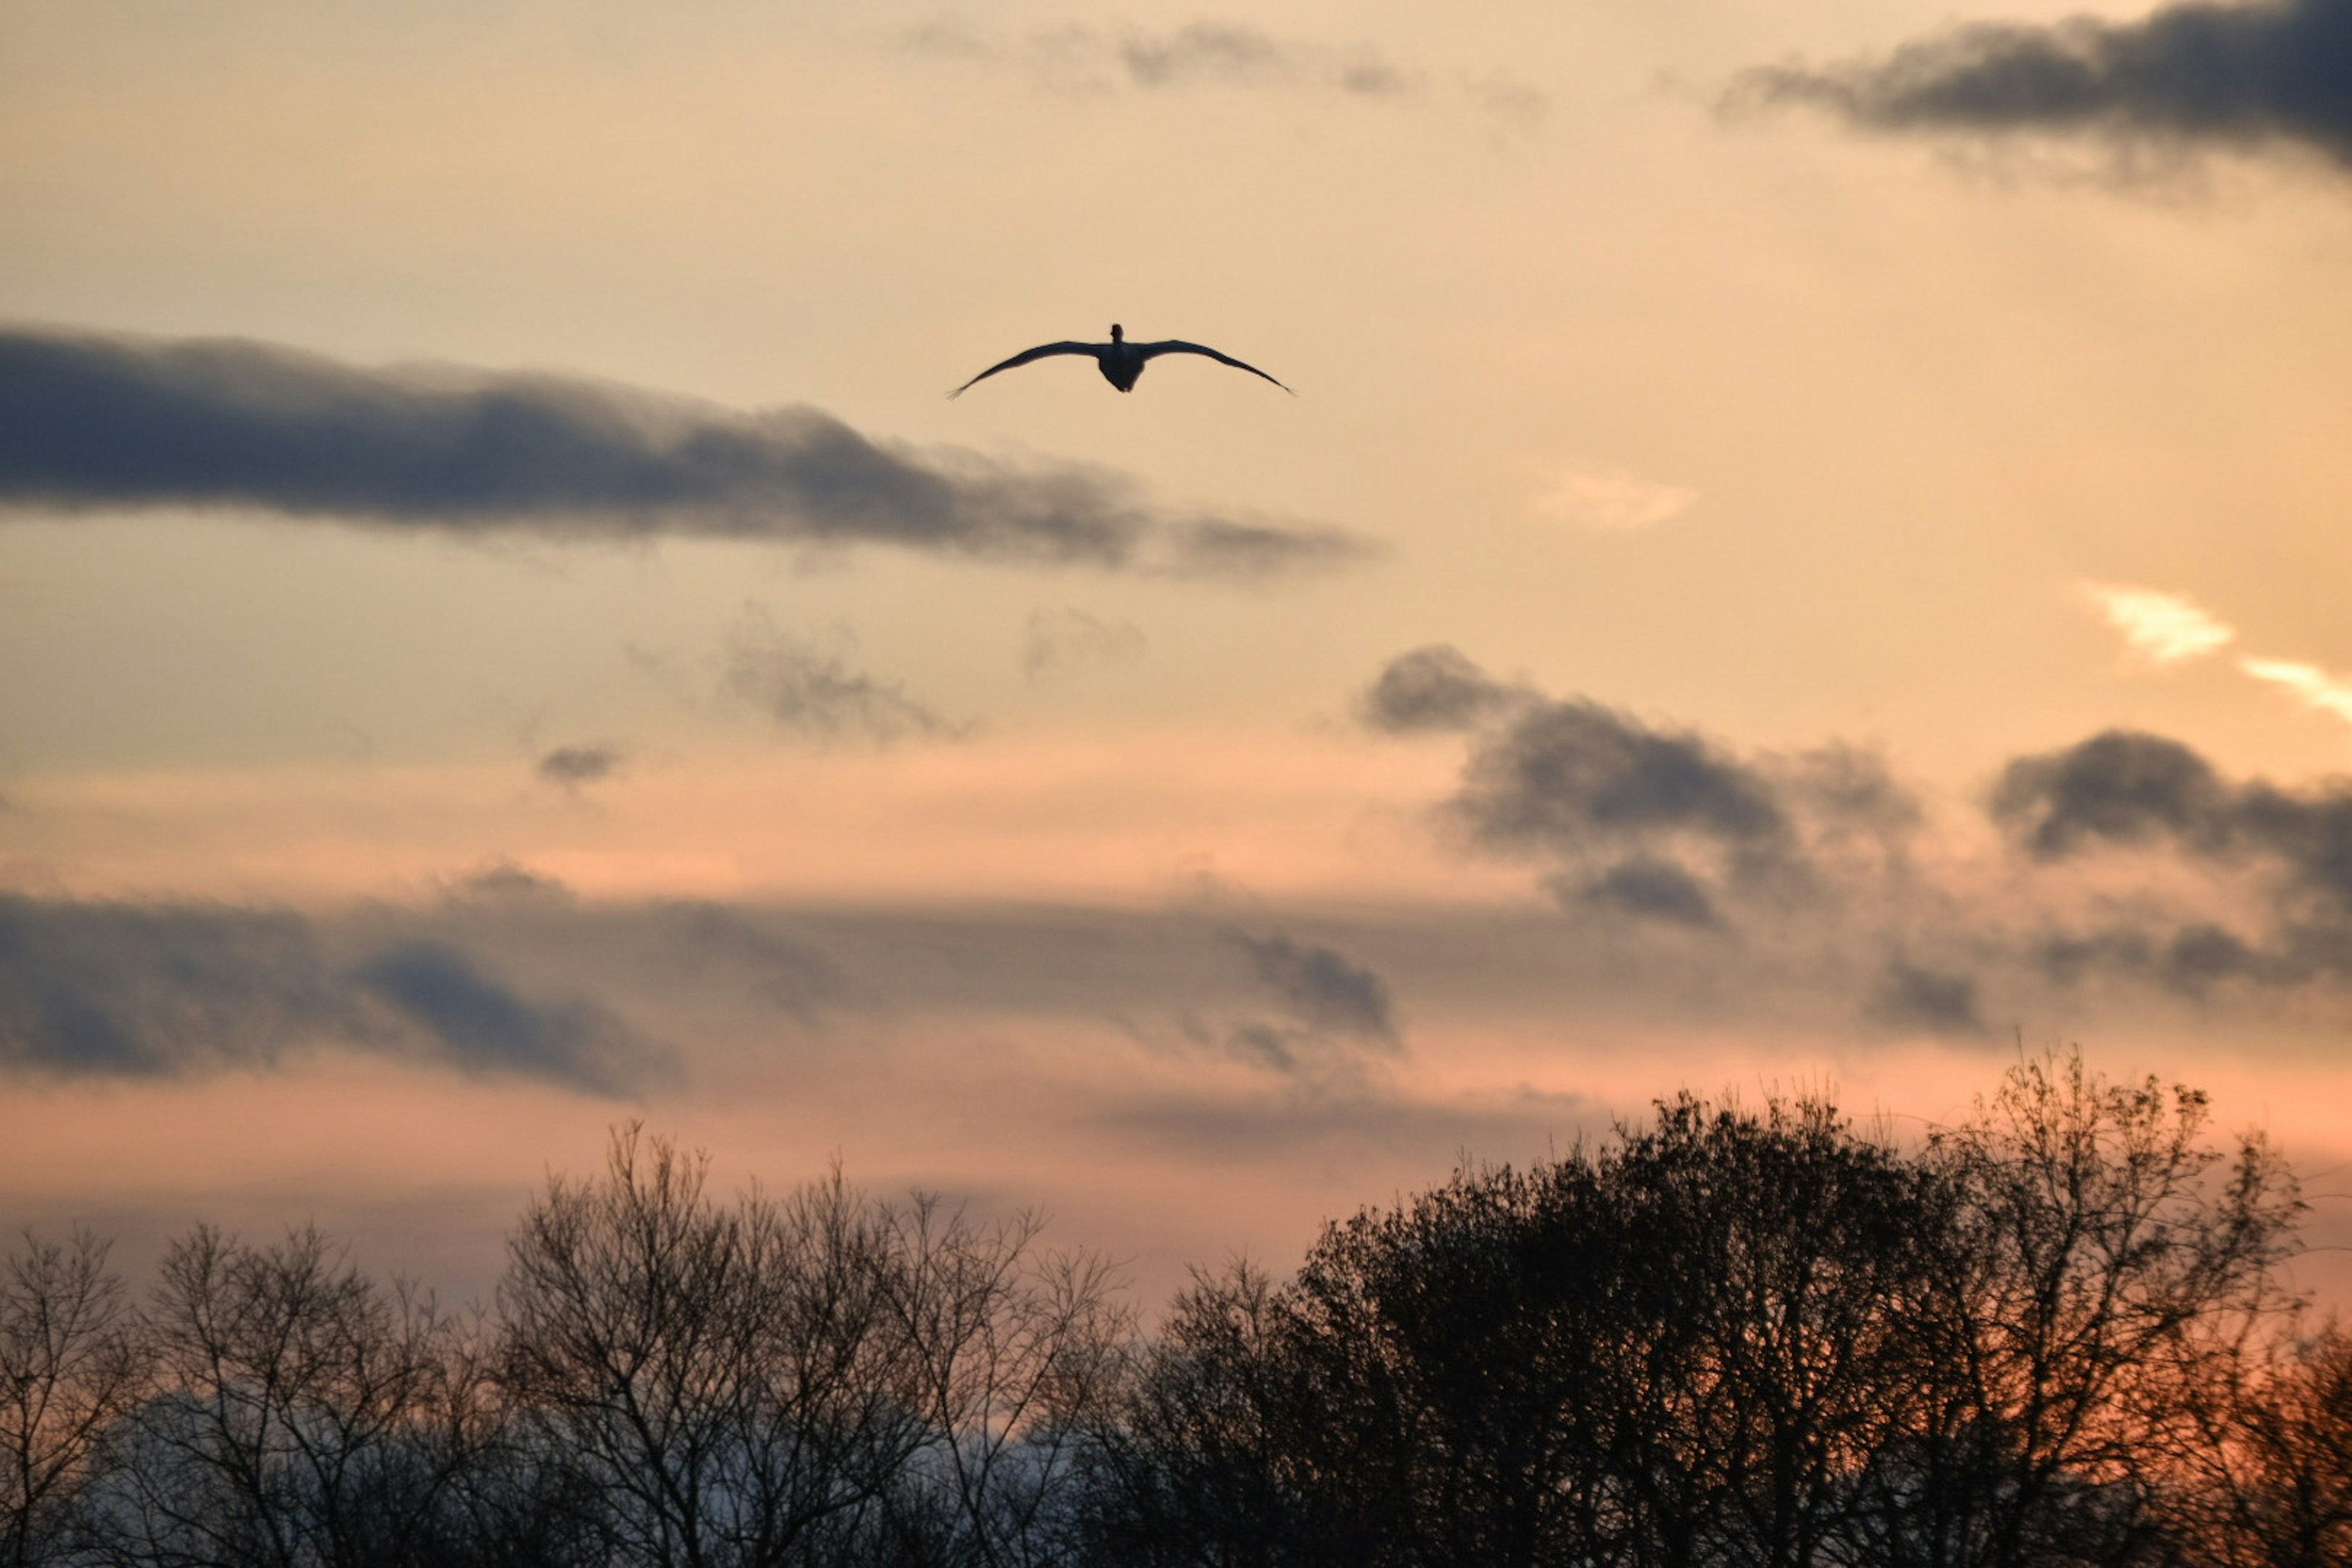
[2276, 1465]
[304, 1416]
[769, 1382]
[1009, 1350]
[2101, 1260]
[71, 1365]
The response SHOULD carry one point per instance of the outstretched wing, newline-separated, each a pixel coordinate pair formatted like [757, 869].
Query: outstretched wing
[1043, 350]
[1178, 346]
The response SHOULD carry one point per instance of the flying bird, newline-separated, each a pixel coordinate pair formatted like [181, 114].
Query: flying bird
[1120, 361]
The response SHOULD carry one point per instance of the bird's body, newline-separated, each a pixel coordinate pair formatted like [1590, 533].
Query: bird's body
[1120, 361]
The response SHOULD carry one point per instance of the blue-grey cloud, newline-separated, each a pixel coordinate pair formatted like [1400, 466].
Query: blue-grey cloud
[1940, 1002]
[1573, 773]
[571, 766]
[805, 687]
[2236, 75]
[784, 971]
[484, 1026]
[1434, 687]
[1646, 887]
[92, 989]
[1322, 988]
[1648, 833]
[1219, 54]
[92, 422]
[2129, 792]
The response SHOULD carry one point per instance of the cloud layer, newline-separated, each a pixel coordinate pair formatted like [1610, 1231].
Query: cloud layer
[125, 990]
[90, 422]
[2125, 859]
[2236, 76]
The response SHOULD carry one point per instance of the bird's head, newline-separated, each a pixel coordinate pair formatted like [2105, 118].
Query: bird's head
[1118, 332]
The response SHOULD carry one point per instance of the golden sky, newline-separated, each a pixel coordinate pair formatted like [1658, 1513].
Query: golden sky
[501, 631]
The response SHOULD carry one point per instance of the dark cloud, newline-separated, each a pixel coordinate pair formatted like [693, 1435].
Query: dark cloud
[2126, 789]
[484, 1028]
[126, 990]
[1909, 996]
[1569, 776]
[1434, 687]
[2222, 76]
[2129, 792]
[1660, 826]
[1647, 887]
[815, 690]
[2120, 787]
[1217, 54]
[93, 422]
[1822, 871]
[1326, 990]
[114, 990]
[571, 766]
[1069, 638]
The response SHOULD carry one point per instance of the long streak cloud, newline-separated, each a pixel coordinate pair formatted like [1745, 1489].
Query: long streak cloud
[2236, 76]
[90, 422]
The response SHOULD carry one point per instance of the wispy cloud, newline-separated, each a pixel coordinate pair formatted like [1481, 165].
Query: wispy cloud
[1605, 497]
[2166, 629]
[94, 423]
[2238, 77]
[2329, 694]
[1070, 639]
[2160, 627]
[807, 687]
[1083, 56]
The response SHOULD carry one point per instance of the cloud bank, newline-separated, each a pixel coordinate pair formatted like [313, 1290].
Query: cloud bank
[90, 422]
[129, 990]
[2240, 77]
[2127, 859]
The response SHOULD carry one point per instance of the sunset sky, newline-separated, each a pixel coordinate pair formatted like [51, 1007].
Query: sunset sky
[1811, 547]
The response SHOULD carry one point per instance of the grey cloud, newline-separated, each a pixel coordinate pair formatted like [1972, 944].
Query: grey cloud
[112, 990]
[2199, 75]
[1313, 1118]
[2129, 792]
[100, 422]
[1567, 774]
[1323, 987]
[1197, 54]
[501, 880]
[571, 766]
[1910, 996]
[1662, 825]
[1070, 639]
[2128, 789]
[1821, 869]
[484, 1028]
[123, 990]
[2122, 787]
[1649, 887]
[791, 975]
[1434, 687]
[813, 690]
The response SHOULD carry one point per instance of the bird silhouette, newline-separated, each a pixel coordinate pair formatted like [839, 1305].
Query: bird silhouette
[1120, 361]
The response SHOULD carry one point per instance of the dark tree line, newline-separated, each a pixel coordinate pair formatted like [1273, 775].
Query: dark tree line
[2053, 1335]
